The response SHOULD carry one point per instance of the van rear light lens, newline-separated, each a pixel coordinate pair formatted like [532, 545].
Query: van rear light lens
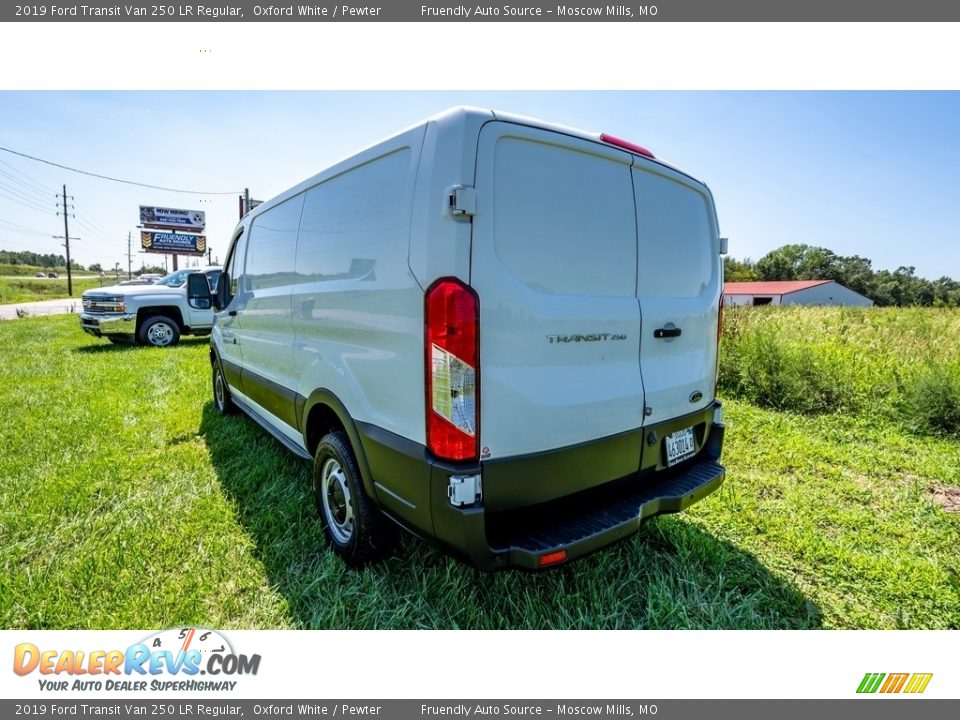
[452, 370]
[553, 558]
[626, 145]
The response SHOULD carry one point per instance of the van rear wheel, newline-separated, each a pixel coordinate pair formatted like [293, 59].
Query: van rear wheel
[357, 531]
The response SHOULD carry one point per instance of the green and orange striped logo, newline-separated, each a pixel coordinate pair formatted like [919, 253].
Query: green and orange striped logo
[894, 682]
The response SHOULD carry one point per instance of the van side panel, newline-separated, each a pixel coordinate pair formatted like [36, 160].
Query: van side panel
[357, 309]
[440, 242]
[265, 329]
[554, 265]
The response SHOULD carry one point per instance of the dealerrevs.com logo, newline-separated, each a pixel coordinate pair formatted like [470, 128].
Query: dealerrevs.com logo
[889, 683]
[171, 659]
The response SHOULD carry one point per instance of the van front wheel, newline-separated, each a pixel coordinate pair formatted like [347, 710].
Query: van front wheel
[357, 531]
[221, 392]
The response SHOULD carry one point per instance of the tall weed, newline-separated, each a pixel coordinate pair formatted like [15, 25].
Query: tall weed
[896, 362]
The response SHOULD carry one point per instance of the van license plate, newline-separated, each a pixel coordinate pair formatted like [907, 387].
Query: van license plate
[680, 446]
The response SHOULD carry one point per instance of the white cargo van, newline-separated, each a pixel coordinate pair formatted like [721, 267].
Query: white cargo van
[498, 333]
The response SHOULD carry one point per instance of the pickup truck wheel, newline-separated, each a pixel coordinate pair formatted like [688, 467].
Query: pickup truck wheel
[221, 392]
[159, 331]
[357, 531]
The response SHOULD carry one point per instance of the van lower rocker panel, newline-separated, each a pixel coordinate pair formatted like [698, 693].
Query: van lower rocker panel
[591, 525]
[260, 416]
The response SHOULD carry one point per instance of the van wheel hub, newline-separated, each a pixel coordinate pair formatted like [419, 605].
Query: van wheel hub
[218, 388]
[337, 505]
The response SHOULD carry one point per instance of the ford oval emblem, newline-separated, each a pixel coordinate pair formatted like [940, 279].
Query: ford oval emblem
[696, 396]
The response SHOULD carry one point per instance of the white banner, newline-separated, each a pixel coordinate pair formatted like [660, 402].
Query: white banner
[467, 664]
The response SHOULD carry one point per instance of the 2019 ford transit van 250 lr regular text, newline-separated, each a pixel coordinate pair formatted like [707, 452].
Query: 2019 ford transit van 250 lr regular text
[499, 333]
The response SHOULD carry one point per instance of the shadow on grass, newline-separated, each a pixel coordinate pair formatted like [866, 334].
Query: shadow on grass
[671, 575]
[105, 345]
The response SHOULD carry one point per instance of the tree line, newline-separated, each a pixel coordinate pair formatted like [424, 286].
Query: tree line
[899, 288]
[28, 257]
[59, 262]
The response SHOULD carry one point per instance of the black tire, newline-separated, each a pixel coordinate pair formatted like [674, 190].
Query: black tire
[158, 331]
[221, 392]
[356, 530]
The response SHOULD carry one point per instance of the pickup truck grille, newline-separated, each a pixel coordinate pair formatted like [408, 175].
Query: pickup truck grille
[99, 304]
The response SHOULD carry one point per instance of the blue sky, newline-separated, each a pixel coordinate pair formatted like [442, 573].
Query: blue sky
[875, 174]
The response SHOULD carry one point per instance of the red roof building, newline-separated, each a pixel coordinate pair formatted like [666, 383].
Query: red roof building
[792, 292]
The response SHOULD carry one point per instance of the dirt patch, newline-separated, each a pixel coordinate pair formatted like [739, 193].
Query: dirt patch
[947, 497]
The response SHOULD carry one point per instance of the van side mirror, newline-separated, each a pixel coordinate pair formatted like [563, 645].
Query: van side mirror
[198, 291]
[221, 297]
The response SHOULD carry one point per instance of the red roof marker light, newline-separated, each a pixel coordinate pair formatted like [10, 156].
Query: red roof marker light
[626, 145]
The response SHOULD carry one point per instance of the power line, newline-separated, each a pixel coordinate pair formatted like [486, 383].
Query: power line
[95, 225]
[14, 231]
[113, 179]
[20, 193]
[20, 229]
[28, 246]
[39, 185]
[25, 187]
[31, 205]
[92, 226]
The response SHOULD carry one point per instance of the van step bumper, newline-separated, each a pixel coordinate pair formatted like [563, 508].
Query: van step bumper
[528, 517]
[580, 530]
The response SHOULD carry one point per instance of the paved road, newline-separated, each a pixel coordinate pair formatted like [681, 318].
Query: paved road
[43, 307]
[63, 276]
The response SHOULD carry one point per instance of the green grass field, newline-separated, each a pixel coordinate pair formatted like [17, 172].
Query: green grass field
[29, 289]
[128, 502]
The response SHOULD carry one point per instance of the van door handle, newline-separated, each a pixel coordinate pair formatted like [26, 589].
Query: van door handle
[232, 313]
[666, 332]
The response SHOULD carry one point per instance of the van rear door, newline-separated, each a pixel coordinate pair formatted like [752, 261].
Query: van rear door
[554, 263]
[678, 285]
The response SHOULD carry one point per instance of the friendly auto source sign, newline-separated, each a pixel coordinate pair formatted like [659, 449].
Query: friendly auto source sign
[178, 243]
[172, 218]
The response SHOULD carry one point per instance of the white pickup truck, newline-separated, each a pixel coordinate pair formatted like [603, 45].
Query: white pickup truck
[155, 314]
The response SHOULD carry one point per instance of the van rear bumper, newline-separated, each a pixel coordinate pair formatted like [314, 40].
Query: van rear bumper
[601, 511]
[573, 535]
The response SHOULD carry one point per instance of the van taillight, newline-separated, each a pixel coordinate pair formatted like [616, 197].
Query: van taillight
[452, 357]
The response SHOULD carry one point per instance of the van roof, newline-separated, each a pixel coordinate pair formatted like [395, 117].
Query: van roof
[474, 116]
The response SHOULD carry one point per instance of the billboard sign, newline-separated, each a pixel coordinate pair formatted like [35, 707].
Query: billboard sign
[177, 243]
[172, 218]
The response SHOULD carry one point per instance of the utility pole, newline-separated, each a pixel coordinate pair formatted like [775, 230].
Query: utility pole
[66, 238]
[209, 255]
[246, 200]
[129, 259]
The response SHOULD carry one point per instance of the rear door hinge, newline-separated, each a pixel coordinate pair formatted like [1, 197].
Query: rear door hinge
[462, 201]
